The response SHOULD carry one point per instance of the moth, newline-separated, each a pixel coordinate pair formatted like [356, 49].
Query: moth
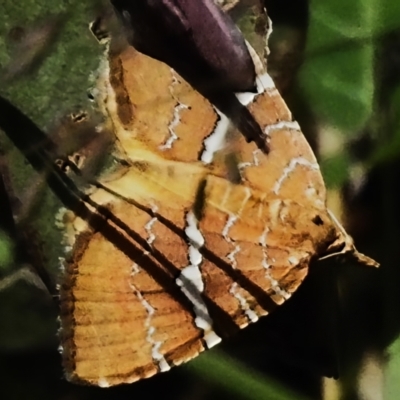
[192, 233]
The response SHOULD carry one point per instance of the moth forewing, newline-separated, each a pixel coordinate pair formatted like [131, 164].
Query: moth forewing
[184, 256]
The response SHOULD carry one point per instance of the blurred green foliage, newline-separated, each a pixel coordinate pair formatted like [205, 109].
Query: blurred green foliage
[338, 77]
[236, 378]
[392, 382]
[50, 91]
[6, 247]
[342, 73]
[351, 80]
[52, 86]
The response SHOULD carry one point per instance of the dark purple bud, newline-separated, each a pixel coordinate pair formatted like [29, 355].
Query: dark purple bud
[203, 45]
[192, 37]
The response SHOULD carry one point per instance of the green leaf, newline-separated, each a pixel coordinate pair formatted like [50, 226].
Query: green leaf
[234, 377]
[392, 370]
[335, 169]
[337, 75]
[387, 16]
[5, 251]
[388, 141]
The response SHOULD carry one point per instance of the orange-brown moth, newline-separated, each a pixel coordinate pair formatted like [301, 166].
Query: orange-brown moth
[193, 232]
